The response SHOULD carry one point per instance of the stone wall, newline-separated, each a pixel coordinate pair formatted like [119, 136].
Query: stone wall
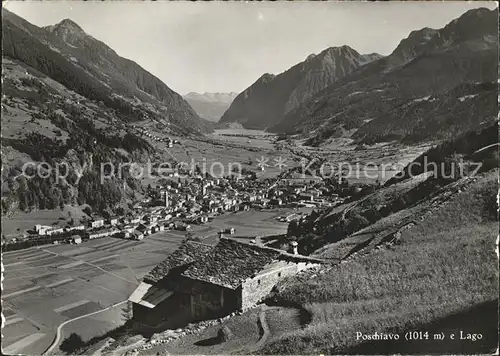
[212, 301]
[173, 312]
[194, 301]
[198, 300]
[255, 289]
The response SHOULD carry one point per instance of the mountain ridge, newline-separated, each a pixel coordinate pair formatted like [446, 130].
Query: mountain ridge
[210, 106]
[211, 96]
[428, 62]
[271, 96]
[69, 98]
[96, 72]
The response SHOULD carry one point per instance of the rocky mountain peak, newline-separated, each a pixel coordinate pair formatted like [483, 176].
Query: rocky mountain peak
[310, 57]
[210, 106]
[68, 30]
[339, 51]
[70, 25]
[472, 25]
[266, 78]
[424, 73]
[329, 57]
[415, 43]
[66, 26]
[78, 61]
[211, 97]
[272, 96]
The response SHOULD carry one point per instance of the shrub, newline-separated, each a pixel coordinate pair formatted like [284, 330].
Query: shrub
[72, 343]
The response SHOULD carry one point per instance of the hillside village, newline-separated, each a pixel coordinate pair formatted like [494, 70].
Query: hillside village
[182, 202]
[357, 214]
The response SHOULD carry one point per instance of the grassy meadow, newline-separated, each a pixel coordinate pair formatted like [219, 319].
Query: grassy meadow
[443, 267]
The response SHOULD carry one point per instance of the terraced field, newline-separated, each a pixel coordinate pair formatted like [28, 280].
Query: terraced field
[248, 224]
[46, 286]
[49, 285]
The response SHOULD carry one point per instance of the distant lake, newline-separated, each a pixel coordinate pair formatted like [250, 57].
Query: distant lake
[242, 132]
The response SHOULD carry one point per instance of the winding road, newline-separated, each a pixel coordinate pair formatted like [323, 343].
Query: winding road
[59, 328]
[265, 329]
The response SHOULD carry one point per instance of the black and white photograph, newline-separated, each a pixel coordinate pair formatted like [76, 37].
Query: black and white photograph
[250, 178]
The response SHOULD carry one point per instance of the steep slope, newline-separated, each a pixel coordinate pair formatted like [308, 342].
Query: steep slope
[272, 96]
[210, 106]
[441, 276]
[417, 254]
[43, 121]
[65, 53]
[69, 100]
[389, 98]
[443, 167]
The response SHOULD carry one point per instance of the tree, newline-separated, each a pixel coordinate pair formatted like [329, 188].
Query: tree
[189, 235]
[120, 210]
[293, 228]
[87, 210]
[452, 168]
[357, 222]
[72, 343]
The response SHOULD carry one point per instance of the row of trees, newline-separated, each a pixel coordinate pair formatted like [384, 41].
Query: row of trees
[43, 193]
[449, 156]
[100, 196]
[38, 193]
[46, 193]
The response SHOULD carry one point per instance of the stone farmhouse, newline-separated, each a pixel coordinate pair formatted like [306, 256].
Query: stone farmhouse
[198, 282]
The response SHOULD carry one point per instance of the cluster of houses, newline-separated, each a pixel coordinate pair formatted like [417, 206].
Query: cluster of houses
[168, 141]
[54, 230]
[179, 203]
[130, 227]
[298, 190]
[135, 226]
[196, 200]
[203, 194]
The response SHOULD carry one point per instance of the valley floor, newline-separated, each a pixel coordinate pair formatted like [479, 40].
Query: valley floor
[46, 286]
[440, 279]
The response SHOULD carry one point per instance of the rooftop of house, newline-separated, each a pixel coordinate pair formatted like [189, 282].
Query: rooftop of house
[188, 252]
[230, 262]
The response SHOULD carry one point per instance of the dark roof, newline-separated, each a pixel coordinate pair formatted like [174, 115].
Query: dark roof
[188, 252]
[231, 262]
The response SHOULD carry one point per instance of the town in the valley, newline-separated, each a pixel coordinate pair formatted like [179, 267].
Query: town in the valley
[190, 198]
[275, 178]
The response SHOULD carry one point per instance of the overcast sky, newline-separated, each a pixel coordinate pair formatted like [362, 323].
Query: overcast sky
[226, 46]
